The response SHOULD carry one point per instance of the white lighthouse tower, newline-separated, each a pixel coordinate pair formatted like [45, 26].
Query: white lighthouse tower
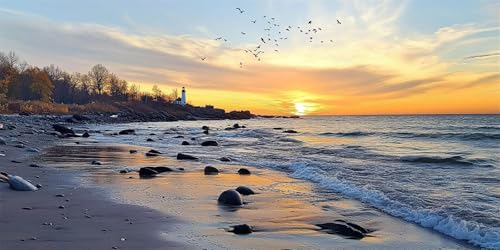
[183, 97]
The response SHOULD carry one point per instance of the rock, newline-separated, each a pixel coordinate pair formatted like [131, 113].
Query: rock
[162, 169]
[127, 132]
[179, 136]
[290, 131]
[150, 154]
[154, 151]
[224, 159]
[61, 207]
[19, 146]
[205, 128]
[2, 141]
[244, 190]
[236, 126]
[132, 151]
[18, 183]
[241, 229]
[230, 198]
[180, 169]
[35, 165]
[147, 172]
[181, 156]
[63, 129]
[38, 186]
[150, 140]
[209, 143]
[209, 170]
[205, 132]
[185, 143]
[277, 128]
[123, 171]
[14, 161]
[86, 135]
[59, 195]
[94, 162]
[80, 117]
[355, 226]
[343, 228]
[193, 139]
[244, 171]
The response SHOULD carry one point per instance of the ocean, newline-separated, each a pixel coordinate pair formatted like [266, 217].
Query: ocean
[438, 171]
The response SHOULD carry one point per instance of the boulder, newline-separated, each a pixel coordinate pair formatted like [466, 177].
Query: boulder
[340, 227]
[205, 128]
[127, 132]
[154, 151]
[277, 128]
[244, 171]
[209, 143]
[236, 126]
[209, 170]
[80, 117]
[225, 159]
[123, 171]
[86, 134]
[132, 151]
[150, 154]
[181, 156]
[63, 129]
[290, 131]
[244, 190]
[230, 198]
[94, 162]
[185, 143]
[241, 229]
[161, 169]
[179, 136]
[150, 140]
[205, 132]
[147, 172]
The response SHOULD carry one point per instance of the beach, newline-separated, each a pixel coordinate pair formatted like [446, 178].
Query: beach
[81, 205]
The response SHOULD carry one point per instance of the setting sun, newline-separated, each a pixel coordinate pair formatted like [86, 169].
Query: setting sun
[300, 108]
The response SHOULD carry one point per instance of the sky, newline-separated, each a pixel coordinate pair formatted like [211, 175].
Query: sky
[385, 57]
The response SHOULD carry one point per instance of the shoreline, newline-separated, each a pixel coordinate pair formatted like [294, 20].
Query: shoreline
[192, 182]
[83, 218]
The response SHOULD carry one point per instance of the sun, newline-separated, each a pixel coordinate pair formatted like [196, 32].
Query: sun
[300, 108]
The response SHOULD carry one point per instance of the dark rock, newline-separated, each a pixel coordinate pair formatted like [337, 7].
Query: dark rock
[244, 171]
[355, 226]
[80, 117]
[241, 229]
[179, 136]
[152, 134]
[127, 132]
[96, 162]
[185, 143]
[14, 161]
[150, 140]
[209, 143]
[38, 186]
[342, 228]
[123, 171]
[209, 170]
[19, 146]
[244, 190]
[230, 198]
[193, 139]
[277, 128]
[132, 151]
[181, 156]
[86, 134]
[63, 129]
[224, 159]
[181, 169]
[290, 131]
[150, 154]
[147, 172]
[162, 169]
[243, 126]
[205, 128]
[154, 151]
[205, 132]
[35, 165]
[24, 113]
[236, 125]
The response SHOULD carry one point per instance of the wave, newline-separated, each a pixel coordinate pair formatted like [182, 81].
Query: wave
[453, 160]
[461, 136]
[473, 232]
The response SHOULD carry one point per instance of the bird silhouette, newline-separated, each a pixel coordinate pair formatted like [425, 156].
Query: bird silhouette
[262, 39]
[240, 10]
[241, 65]
[310, 22]
[203, 58]
[254, 21]
[338, 21]
[243, 33]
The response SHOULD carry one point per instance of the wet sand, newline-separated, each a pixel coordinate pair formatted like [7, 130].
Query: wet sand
[85, 218]
[283, 213]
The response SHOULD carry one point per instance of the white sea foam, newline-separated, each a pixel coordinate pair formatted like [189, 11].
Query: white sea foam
[472, 232]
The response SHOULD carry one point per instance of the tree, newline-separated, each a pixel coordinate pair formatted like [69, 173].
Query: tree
[157, 93]
[117, 88]
[41, 86]
[98, 75]
[174, 94]
[133, 92]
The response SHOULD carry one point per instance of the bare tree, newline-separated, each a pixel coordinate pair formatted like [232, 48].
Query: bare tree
[133, 92]
[157, 93]
[98, 75]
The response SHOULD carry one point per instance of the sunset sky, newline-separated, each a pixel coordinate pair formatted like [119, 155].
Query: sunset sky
[387, 57]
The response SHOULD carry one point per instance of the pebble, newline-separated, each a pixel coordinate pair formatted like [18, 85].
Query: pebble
[61, 207]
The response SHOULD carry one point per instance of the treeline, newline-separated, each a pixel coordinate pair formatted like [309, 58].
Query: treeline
[21, 81]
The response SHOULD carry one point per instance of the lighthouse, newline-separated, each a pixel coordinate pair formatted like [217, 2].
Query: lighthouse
[183, 97]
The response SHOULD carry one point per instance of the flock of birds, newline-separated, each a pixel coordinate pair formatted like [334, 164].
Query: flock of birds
[274, 34]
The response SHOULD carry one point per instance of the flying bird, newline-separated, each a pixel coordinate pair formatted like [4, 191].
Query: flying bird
[338, 21]
[243, 33]
[262, 39]
[241, 65]
[240, 10]
[254, 21]
[203, 58]
[310, 22]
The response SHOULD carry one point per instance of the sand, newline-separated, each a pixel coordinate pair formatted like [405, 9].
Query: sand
[89, 219]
